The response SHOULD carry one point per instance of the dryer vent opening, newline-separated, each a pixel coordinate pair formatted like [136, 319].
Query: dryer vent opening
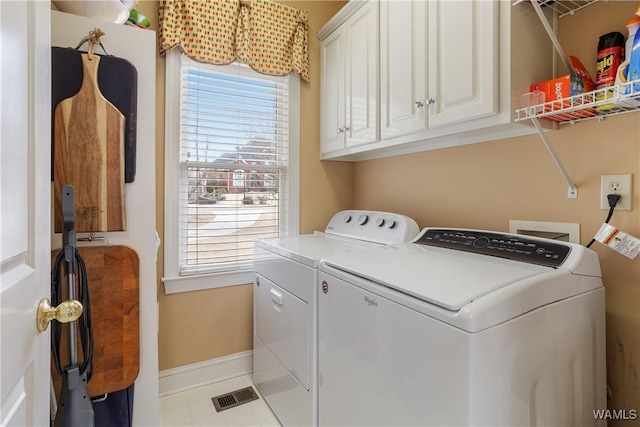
[563, 231]
[233, 399]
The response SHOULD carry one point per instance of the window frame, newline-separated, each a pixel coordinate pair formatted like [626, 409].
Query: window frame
[173, 281]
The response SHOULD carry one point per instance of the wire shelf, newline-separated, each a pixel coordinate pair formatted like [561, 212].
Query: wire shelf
[564, 7]
[597, 104]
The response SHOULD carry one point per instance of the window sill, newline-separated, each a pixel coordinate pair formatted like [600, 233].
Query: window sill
[175, 285]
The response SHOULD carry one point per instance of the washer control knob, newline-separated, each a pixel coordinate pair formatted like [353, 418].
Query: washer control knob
[347, 218]
[363, 219]
[481, 242]
[391, 223]
[380, 222]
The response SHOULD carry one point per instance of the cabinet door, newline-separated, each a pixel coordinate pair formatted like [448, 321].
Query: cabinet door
[402, 67]
[362, 75]
[332, 92]
[462, 57]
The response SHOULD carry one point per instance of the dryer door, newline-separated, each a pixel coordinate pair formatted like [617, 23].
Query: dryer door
[282, 322]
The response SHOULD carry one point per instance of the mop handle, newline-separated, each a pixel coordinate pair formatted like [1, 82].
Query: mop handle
[69, 247]
[68, 228]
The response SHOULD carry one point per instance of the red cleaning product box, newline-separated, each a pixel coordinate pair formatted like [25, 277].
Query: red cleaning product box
[565, 86]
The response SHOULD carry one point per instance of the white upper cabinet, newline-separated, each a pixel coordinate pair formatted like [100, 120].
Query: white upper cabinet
[362, 76]
[463, 61]
[403, 67]
[451, 80]
[449, 73]
[349, 81]
[332, 121]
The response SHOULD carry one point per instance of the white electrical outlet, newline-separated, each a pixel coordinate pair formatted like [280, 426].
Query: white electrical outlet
[616, 184]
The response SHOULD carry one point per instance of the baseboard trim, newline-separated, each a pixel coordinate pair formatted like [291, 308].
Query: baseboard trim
[199, 374]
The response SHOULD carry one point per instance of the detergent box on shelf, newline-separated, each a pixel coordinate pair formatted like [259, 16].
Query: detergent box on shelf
[566, 86]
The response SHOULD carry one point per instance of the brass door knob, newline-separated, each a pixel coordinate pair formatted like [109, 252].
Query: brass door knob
[66, 312]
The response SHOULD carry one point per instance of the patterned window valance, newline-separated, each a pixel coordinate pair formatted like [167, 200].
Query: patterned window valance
[270, 37]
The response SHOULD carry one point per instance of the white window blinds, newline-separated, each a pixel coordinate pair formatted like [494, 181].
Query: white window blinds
[234, 161]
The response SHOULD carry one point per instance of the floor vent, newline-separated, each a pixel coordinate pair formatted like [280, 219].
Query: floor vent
[233, 399]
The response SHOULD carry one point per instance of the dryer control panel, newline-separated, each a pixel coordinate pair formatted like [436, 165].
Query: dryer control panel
[373, 226]
[502, 245]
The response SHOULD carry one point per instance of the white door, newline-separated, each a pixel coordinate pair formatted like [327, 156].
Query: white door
[24, 210]
[403, 67]
[463, 61]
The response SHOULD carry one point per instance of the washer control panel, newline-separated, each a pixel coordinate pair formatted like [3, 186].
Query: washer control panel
[373, 226]
[517, 248]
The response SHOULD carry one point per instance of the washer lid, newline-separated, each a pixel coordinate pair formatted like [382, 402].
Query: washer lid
[309, 249]
[444, 277]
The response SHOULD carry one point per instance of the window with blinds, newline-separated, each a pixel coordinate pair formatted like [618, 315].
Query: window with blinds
[233, 162]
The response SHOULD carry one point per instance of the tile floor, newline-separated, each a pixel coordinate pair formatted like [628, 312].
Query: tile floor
[195, 408]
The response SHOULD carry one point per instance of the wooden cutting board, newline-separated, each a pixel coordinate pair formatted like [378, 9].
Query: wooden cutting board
[118, 82]
[113, 280]
[89, 155]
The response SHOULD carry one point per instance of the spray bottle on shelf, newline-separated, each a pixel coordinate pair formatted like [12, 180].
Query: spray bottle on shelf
[610, 56]
[622, 74]
[633, 70]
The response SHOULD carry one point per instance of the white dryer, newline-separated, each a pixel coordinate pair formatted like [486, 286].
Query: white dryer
[285, 305]
[462, 328]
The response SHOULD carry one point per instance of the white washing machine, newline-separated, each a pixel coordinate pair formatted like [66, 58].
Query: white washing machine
[285, 305]
[462, 328]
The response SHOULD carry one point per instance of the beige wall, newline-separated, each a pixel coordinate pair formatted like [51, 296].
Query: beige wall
[202, 325]
[485, 185]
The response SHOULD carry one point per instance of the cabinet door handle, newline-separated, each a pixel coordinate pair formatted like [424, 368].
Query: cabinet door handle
[276, 297]
[431, 101]
[419, 104]
[340, 130]
[346, 128]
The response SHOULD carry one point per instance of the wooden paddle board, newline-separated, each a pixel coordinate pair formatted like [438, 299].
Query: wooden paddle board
[117, 81]
[89, 155]
[114, 292]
